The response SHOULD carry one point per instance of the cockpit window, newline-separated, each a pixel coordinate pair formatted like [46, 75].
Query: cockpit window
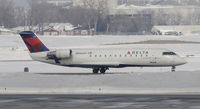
[169, 53]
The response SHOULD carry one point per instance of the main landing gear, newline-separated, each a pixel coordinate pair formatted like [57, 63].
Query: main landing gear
[173, 68]
[102, 70]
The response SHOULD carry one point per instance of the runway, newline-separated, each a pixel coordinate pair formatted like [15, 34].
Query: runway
[99, 102]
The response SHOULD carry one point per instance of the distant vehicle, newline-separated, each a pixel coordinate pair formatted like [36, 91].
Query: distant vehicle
[156, 33]
[101, 59]
[173, 33]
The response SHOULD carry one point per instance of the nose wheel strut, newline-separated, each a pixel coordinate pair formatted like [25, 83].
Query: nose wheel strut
[173, 69]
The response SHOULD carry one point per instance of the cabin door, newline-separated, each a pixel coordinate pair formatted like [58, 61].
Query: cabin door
[153, 59]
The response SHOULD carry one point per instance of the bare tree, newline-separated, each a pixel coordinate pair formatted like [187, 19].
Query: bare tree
[6, 13]
[78, 16]
[21, 16]
[98, 8]
[42, 12]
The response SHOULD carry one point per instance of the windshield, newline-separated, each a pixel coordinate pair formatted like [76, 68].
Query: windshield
[169, 53]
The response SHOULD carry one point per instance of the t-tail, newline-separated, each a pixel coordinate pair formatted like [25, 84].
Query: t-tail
[32, 42]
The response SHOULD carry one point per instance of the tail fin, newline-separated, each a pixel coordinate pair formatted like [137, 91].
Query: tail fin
[32, 42]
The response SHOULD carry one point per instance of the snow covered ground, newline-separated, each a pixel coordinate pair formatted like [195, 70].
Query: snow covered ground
[14, 57]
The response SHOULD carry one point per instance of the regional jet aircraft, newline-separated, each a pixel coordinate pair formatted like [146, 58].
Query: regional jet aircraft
[101, 59]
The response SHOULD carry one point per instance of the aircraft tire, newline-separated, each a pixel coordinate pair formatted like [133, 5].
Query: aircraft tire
[103, 70]
[95, 71]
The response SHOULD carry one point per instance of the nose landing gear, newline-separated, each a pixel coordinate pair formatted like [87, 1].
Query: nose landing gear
[173, 69]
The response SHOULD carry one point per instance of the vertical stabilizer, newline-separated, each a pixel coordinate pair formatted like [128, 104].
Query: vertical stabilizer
[32, 42]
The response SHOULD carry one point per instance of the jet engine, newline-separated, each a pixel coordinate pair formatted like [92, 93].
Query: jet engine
[60, 54]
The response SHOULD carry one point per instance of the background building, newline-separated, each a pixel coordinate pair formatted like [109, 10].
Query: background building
[111, 4]
[63, 3]
[4, 31]
[175, 29]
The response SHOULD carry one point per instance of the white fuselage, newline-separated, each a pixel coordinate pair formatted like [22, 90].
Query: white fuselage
[115, 57]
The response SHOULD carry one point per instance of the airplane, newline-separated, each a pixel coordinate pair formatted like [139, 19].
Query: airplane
[101, 59]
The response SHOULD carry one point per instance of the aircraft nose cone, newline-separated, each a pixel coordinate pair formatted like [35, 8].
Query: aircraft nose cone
[182, 61]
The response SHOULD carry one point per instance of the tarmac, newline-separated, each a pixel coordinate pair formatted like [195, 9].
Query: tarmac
[142, 83]
[99, 102]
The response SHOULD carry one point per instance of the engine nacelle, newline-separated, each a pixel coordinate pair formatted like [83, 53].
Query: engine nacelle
[60, 54]
[63, 54]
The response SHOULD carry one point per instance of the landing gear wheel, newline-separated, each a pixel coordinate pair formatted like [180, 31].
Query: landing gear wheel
[95, 71]
[173, 68]
[103, 70]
